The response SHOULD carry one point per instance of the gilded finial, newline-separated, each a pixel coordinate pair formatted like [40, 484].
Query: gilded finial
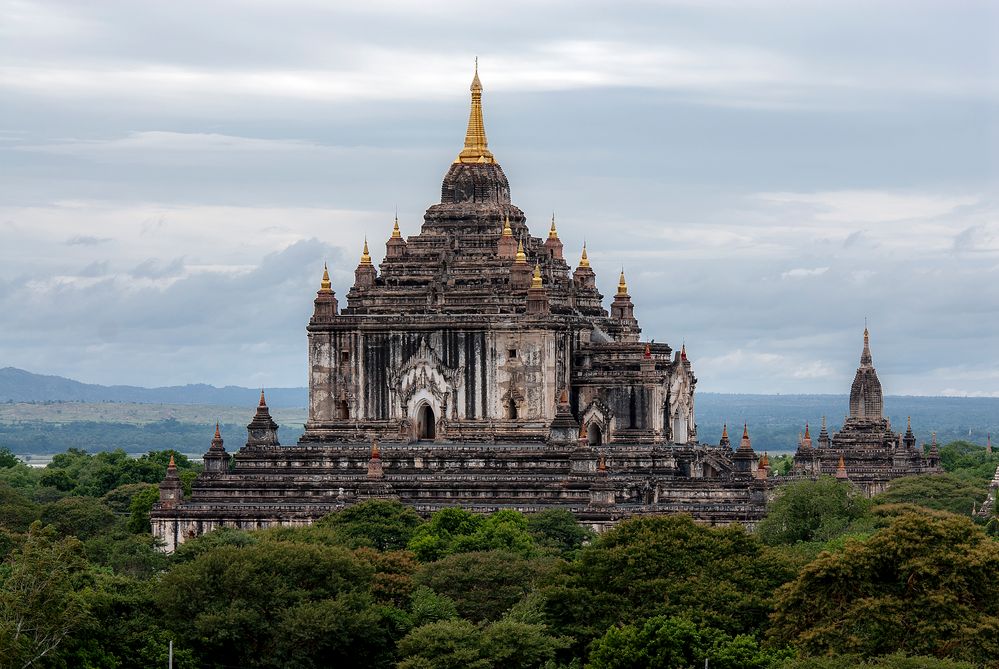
[521, 256]
[476, 147]
[365, 256]
[807, 435]
[396, 233]
[325, 286]
[725, 431]
[584, 261]
[172, 463]
[745, 430]
[507, 230]
[622, 285]
[553, 233]
[536, 279]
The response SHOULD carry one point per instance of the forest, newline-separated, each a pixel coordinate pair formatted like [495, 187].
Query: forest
[829, 580]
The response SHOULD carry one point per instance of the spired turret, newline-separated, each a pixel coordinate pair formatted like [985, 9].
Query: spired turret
[171, 488]
[866, 398]
[325, 302]
[262, 430]
[216, 460]
[475, 177]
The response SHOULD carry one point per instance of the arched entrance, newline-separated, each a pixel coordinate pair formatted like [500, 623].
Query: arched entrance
[594, 434]
[425, 423]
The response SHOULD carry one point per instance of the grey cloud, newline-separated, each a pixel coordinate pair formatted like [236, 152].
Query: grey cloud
[655, 153]
[87, 240]
[95, 269]
[153, 268]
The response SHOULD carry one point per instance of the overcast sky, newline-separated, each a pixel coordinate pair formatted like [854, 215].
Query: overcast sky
[173, 174]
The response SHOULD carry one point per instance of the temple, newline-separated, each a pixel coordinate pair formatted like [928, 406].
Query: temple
[490, 375]
[866, 450]
[473, 366]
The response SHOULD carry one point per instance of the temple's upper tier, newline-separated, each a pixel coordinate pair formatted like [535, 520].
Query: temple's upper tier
[866, 398]
[475, 176]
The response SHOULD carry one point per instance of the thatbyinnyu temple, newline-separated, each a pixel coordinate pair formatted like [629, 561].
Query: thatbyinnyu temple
[473, 366]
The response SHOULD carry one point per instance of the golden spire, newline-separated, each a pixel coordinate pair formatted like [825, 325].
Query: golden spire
[583, 260]
[365, 256]
[622, 285]
[553, 233]
[507, 230]
[476, 147]
[396, 234]
[172, 463]
[521, 256]
[536, 279]
[725, 431]
[325, 286]
[807, 435]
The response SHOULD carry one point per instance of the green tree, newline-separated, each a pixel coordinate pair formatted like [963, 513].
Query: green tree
[427, 606]
[139, 506]
[718, 576]
[17, 512]
[224, 602]
[923, 585]
[483, 585]
[451, 531]
[969, 461]
[376, 523]
[812, 511]
[559, 530]
[943, 492]
[7, 458]
[82, 517]
[446, 644]
[40, 604]
[436, 538]
[677, 643]
[894, 661]
[459, 644]
[349, 631]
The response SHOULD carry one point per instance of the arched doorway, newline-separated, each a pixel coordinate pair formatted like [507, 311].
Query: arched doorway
[425, 423]
[594, 434]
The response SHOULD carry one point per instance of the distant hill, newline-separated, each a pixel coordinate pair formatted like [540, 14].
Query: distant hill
[774, 420]
[17, 385]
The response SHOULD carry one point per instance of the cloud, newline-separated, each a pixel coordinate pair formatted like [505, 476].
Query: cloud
[153, 268]
[799, 272]
[87, 240]
[765, 188]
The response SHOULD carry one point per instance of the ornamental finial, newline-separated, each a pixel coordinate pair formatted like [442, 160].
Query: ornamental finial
[622, 285]
[536, 279]
[521, 256]
[584, 261]
[365, 256]
[553, 233]
[396, 233]
[326, 286]
[476, 147]
[507, 230]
